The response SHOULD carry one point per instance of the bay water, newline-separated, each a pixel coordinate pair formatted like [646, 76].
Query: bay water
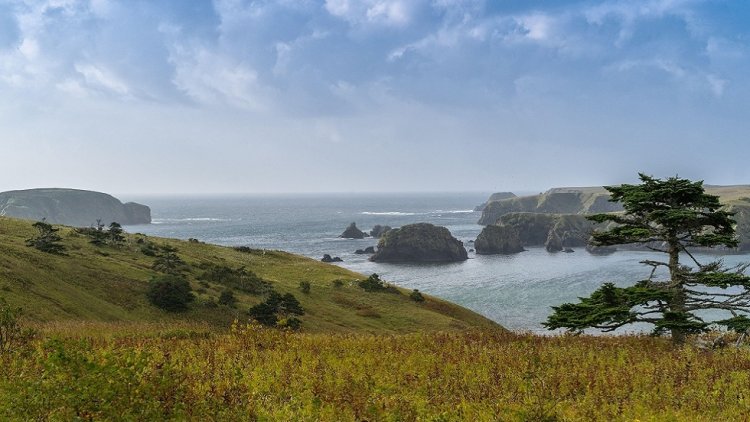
[516, 290]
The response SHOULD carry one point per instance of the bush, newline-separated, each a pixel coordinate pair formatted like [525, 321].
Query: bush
[304, 286]
[170, 292]
[239, 279]
[285, 306]
[375, 284]
[416, 296]
[227, 298]
[338, 283]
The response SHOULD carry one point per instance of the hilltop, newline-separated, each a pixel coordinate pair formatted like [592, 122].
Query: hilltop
[109, 283]
[73, 207]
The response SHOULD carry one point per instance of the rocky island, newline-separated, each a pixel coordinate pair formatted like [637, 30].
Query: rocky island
[71, 207]
[421, 242]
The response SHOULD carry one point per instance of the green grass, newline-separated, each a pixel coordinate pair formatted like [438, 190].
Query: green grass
[108, 284]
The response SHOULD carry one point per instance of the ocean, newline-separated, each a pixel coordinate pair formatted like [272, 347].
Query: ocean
[517, 290]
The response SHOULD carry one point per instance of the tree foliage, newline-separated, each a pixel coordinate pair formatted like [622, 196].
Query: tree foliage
[278, 310]
[170, 292]
[670, 216]
[47, 239]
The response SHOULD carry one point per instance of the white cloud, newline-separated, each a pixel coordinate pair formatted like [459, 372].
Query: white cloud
[212, 78]
[395, 13]
[101, 78]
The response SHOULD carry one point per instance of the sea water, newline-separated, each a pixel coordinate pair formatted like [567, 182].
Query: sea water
[517, 290]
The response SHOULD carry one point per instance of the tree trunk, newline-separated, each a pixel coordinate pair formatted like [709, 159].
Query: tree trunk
[677, 303]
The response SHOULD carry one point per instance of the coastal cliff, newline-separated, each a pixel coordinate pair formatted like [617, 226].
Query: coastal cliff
[71, 207]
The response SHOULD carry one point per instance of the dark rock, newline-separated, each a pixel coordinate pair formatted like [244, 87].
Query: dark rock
[337, 259]
[568, 250]
[367, 250]
[498, 240]
[422, 242]
[553, 242]
[352, 232]
[471, 250]
[327, 258]
[71, 207]
[378, 231]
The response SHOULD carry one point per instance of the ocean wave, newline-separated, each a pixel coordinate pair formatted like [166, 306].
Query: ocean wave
[177, 220]
[402, 213]
[391, 213]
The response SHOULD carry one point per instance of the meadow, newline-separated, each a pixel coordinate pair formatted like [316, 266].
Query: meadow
[152, 371]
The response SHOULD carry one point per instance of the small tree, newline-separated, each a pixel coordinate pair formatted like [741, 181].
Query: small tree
[168, 262]
[668, 216]
[170, 292]
[304, 286]
[47, 239]
[115, 233]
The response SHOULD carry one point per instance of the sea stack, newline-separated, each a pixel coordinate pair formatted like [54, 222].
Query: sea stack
[421, 242]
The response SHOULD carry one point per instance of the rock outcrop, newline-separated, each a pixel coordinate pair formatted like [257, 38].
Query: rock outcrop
[367, 250]
[421, 242]
[71, 207]
[328, 258]
[498, 240]
[497, 196]
[378, 231]
[352, 232]
[555, 201]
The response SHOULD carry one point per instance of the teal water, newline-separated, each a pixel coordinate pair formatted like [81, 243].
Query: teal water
[517, 291]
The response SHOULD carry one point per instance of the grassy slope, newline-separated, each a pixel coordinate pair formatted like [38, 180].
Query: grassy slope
[109, 284]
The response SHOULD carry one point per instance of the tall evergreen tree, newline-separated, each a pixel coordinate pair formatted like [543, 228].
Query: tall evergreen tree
[668, 216]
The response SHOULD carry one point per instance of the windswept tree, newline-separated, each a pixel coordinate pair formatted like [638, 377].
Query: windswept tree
[47, 239]
[115, 233]
[672, 217]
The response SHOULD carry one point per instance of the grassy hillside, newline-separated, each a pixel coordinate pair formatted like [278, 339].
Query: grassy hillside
[260, 374]
[107, 283]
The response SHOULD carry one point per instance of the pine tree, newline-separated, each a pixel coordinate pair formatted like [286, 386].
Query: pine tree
[669, 216]
[47, 239]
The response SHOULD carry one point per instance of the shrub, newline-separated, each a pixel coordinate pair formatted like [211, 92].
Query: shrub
[239, 279]
[338, 283]
[304, 286]
[227, 298]
[170, 292]
[375, 284]
[286, 306]
[416, 296]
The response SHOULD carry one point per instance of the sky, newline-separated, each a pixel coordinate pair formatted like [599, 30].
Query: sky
[240, 96]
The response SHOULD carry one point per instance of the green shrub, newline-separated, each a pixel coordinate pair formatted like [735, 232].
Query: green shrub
[239, 279]
[375, 284]
[338, 283]
[285, 306]
[416, 296]
[304, 286]
[170, 292]
[227, 298]
[168, 262]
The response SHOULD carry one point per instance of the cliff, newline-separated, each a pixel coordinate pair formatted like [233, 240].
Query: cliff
[71, 207]
[497, 196]
[554, 201]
